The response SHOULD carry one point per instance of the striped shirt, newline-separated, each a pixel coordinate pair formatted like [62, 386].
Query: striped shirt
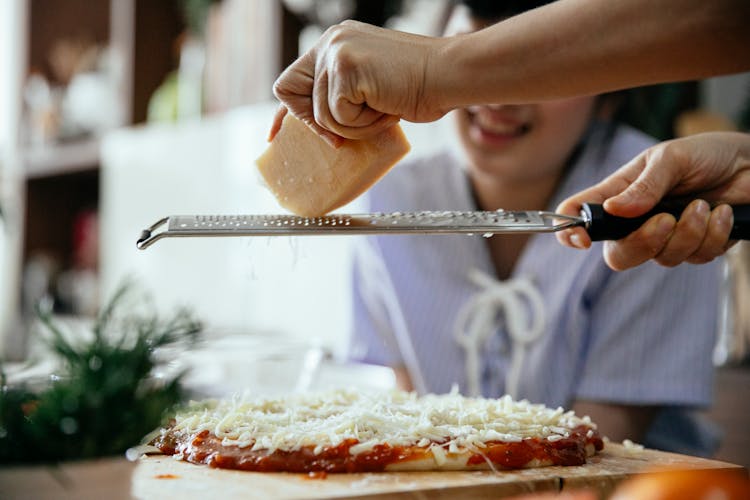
[642, 336]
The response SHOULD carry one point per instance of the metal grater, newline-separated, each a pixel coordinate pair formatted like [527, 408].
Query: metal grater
[599, 224]
[429, 222]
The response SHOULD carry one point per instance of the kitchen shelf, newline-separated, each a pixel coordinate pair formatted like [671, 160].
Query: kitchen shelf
[60, 185]
[62, 158]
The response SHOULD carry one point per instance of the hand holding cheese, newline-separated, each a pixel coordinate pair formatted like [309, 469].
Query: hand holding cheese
[358, 76]
[310, 178]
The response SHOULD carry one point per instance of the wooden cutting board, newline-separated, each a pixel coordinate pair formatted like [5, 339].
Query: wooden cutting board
[161, 477]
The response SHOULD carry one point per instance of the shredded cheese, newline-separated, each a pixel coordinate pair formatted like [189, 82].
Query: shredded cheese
[448, 423]
[630, 445]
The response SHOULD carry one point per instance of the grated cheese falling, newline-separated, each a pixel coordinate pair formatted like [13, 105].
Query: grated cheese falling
[448, 423]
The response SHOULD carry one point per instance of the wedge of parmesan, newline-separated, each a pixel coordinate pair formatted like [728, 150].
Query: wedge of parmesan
[310, 178]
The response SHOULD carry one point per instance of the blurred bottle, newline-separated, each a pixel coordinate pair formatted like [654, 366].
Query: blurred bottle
[12, 343]
[180, 96]
[42, 110]
[77, 288]
[190, 78]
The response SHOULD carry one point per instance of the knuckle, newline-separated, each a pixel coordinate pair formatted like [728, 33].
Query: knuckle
[637, 248]
[333, 30]
[341, 32]
[670, 154]
[279, 89]
[662, 152]
[671, 257]
[645, 186]
[677, 251]
[693, 231]
[672, 151]
[344, 60]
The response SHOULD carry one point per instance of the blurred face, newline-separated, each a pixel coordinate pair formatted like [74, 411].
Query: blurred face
[523, 142]
[519, 143]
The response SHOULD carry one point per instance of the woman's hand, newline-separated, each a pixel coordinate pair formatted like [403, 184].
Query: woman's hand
[360, 79]
[711, 167]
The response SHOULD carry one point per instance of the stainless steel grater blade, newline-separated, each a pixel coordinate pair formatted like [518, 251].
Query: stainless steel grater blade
[428, 222]
[599, 224]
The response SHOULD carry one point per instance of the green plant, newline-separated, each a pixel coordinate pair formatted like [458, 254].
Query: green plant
[104, 400]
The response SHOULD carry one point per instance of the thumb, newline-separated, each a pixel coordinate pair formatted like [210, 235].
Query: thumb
[352, 114]
[653, 182]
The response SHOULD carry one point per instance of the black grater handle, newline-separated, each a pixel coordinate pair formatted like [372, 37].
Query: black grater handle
[604, 226]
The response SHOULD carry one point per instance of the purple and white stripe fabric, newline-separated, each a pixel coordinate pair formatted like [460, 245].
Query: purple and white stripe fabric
[643, 336]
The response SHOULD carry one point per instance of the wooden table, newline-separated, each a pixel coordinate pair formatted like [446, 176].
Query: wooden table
[161, 477]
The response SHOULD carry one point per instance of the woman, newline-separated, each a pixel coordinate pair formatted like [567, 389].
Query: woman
[521, 314]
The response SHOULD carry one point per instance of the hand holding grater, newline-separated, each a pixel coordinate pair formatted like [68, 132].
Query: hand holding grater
[599, 224]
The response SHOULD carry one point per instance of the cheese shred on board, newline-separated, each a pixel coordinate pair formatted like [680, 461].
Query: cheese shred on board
[353, 431]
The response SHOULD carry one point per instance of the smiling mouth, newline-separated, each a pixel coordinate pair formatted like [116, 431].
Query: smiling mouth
[500, 128]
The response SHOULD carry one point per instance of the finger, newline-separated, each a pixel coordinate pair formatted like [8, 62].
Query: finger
[354, 115]
[572, 205]
[329, 137]
[614, 184]
[348, 106]
[655, 179]
[574, 238]
[321, 112]
[295, 88]
[381, 124]
[333, 140]
[327, 121]
[301, 108]
[322, 115]
[577, 237]
[716, 241]
[640, 245]
[277, 119]
[687, 236]
[347, 112]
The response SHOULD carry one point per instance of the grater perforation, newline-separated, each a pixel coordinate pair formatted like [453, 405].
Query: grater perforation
[422, 222]
[598, 224]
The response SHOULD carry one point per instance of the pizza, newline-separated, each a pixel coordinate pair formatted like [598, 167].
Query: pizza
[356, 431]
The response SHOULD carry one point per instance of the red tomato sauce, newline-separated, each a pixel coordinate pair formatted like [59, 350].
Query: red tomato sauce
[566, 451]
[204, 448]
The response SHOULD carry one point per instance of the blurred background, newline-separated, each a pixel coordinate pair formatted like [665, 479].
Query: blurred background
[115, 113]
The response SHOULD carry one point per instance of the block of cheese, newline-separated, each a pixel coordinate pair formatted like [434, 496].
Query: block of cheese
[310, 178]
